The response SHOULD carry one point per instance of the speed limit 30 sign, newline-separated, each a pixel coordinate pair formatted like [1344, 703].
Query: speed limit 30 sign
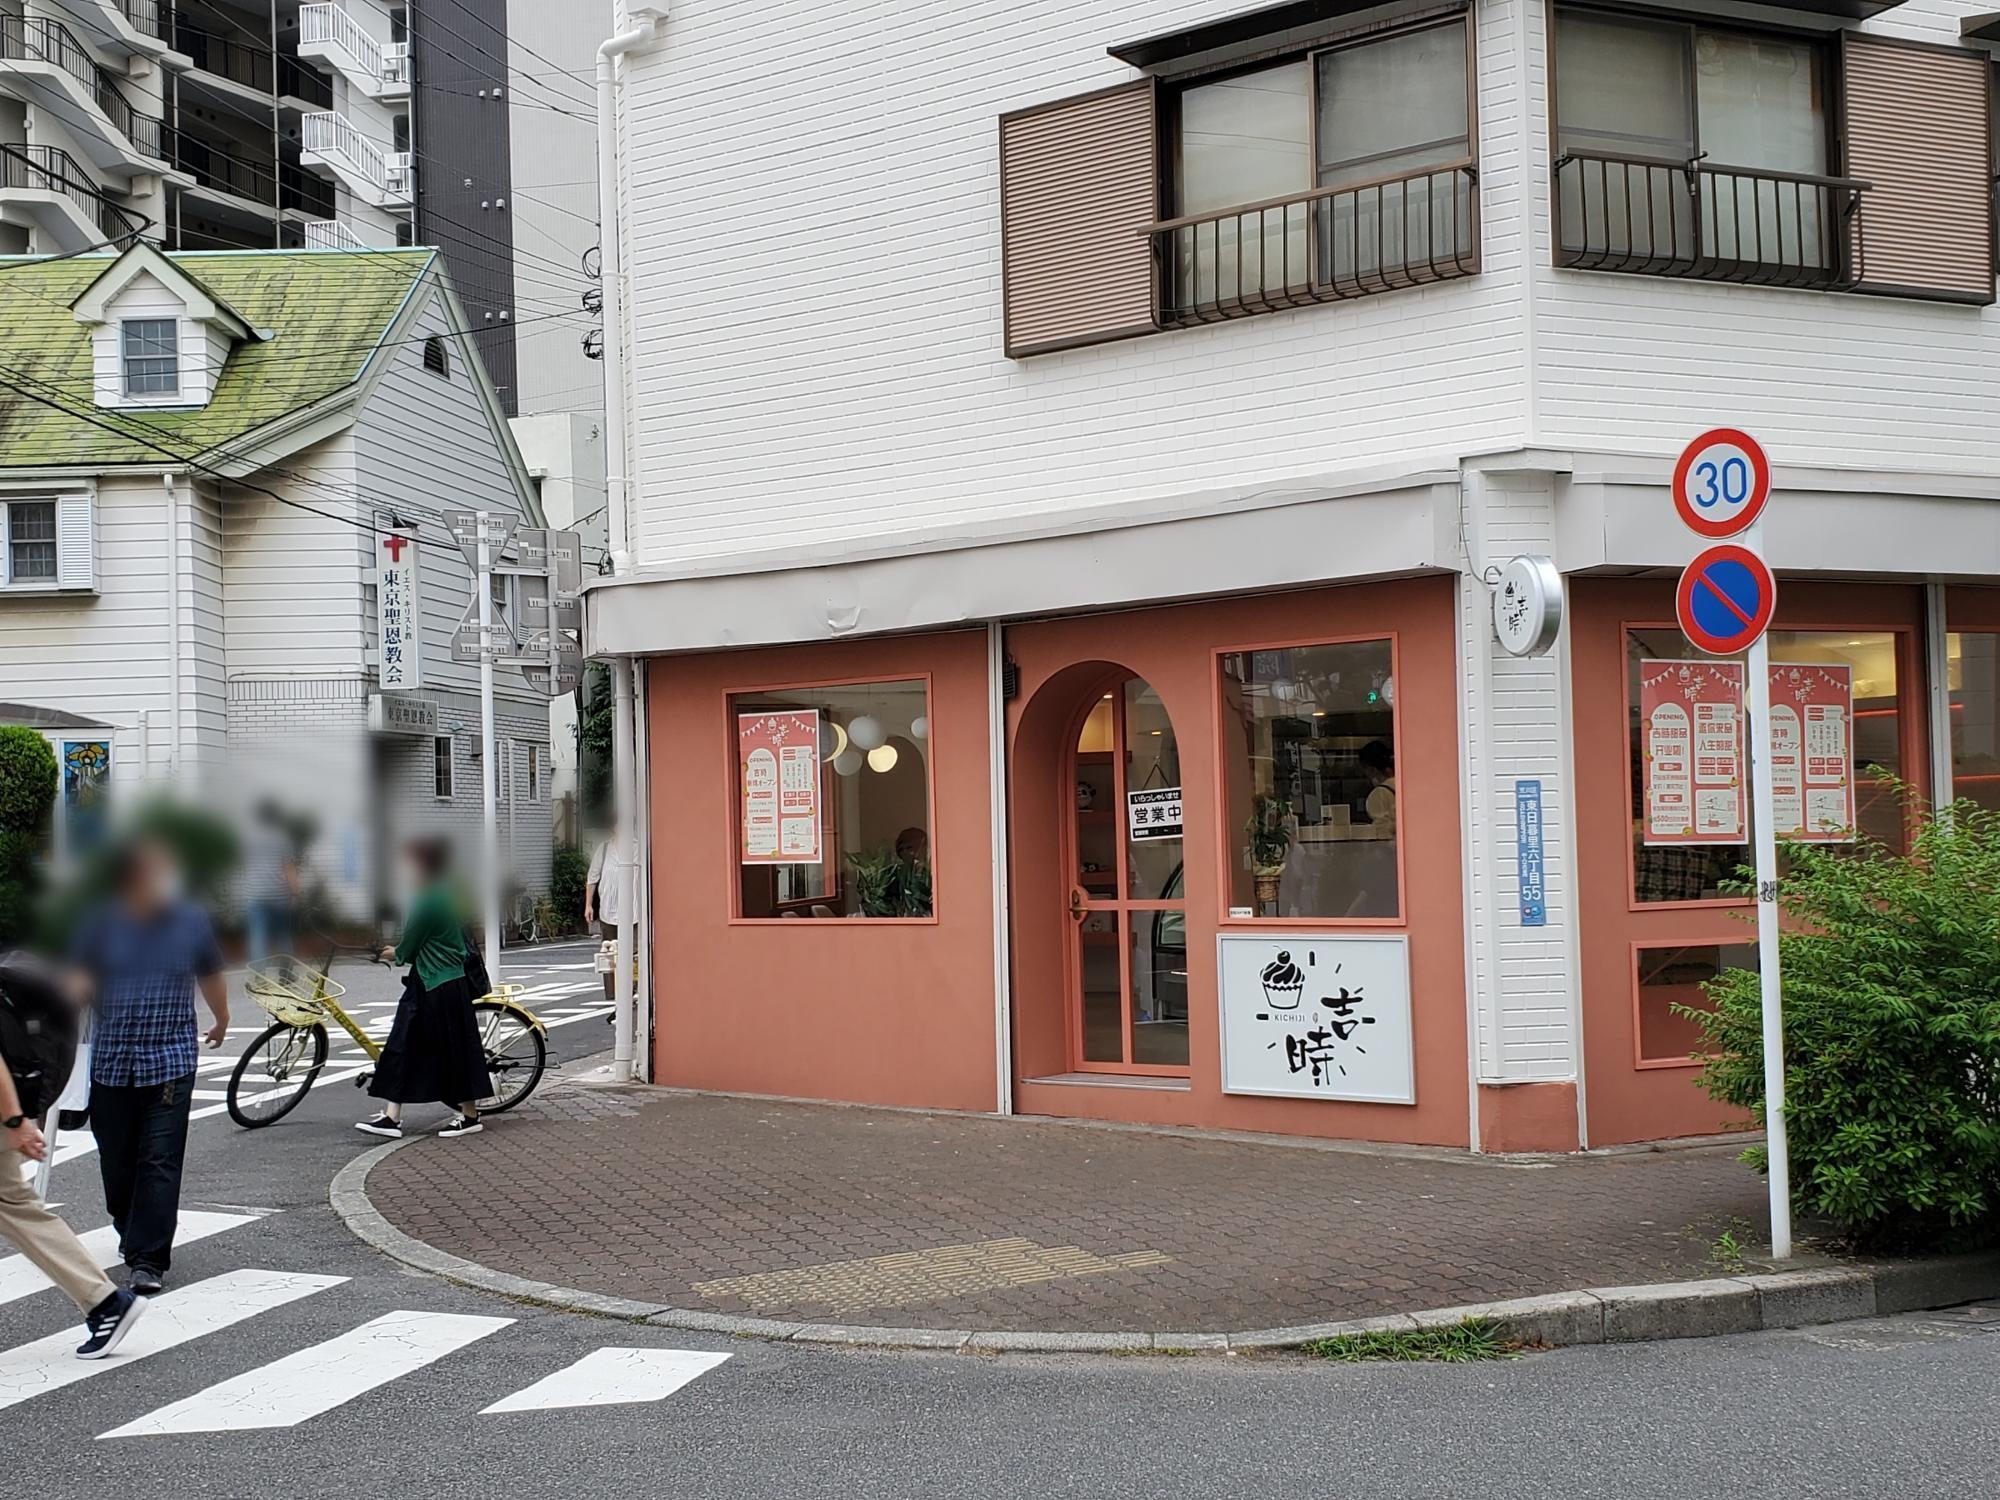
[1721, 483]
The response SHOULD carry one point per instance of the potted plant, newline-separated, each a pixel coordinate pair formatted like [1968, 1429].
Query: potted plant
[877, 882]
[1270, 832]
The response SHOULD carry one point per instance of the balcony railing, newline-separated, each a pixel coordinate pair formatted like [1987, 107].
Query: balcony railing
[223, 167]
[51, 169]
[297, 81]
[303, 192]
[335, 136]
[225, 58]
[332, 234]
[327, 25]
[1327, 245]
[153, 17]
[39, 39]
[1654, 217]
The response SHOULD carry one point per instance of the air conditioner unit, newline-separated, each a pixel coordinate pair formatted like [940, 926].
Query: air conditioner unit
[399, 169]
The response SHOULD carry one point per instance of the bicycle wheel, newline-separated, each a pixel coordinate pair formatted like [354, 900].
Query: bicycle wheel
[274, 1073]
[515, 1054]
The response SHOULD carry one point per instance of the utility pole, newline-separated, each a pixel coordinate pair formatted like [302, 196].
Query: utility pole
[489, 884]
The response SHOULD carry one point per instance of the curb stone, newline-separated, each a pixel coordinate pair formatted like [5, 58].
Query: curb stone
[1622, 1314]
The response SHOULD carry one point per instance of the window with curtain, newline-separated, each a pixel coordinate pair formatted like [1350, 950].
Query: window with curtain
[31, 541]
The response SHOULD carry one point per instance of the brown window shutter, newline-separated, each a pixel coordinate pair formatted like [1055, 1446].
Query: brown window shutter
[1918, 130]
[1079, 180]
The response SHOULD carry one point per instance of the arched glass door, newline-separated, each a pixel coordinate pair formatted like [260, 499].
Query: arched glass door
[1128, 889]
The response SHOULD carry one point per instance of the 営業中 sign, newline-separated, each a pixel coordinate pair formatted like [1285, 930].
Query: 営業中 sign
[399, 625]
[1315, 1016]
[1722, 483]
[1691, 752]
[1154, 813]
[1812, 752]
[777, 754]
[1725, 599]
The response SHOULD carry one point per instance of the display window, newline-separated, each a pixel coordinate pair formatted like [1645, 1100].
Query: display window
[833, 802]
[1310, 792]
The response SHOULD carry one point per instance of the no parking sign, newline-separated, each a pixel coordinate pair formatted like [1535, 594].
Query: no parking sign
[1725, 599]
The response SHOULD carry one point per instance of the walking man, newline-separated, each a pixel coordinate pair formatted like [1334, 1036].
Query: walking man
[26, 1223]
[145, 954]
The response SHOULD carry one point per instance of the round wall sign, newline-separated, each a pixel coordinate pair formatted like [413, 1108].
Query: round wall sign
[1722, 482]
[1528, 606]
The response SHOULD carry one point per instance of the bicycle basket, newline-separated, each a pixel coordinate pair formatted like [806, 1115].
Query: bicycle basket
[289, 990]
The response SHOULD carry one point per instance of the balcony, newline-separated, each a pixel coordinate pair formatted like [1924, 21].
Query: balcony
[332, 234]
[67, 81]
[137, 27]
[46, 189]
[248, 68]
[1327, 245]
[330, 36]
[1651, 217]
[334, 145]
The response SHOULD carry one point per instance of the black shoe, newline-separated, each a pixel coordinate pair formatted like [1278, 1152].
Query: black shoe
[381, 1125]
[145, 1281]
[108, 1323]
[461, 1125]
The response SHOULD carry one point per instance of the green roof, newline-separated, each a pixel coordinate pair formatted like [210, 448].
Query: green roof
[320, 314]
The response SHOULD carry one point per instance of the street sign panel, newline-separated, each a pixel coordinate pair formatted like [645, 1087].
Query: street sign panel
[558, 554]
[473, 641]
[1721, 483]
[470, 527]
[1725, 599]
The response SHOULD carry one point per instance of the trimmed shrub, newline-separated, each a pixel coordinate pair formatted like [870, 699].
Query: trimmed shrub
[1891, 972]
[569, 870]
[27, 797]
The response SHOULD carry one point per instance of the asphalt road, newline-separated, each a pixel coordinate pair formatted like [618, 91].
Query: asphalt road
[278, 1316]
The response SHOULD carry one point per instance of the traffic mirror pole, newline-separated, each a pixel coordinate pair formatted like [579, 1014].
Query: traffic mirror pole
[1763, 824]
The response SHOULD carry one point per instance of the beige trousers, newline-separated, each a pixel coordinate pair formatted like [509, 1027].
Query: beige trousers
[45, 1239]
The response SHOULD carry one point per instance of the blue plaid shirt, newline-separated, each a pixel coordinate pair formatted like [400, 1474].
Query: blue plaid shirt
[145, 971]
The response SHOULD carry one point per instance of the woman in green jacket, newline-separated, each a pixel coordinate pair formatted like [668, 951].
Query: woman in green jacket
[433, 1053]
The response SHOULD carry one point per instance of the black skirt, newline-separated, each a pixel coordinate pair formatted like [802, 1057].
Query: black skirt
[433, 1055]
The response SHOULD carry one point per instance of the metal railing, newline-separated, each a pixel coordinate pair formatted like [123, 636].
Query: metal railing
[1327, 245]
[246, 65]
[332, 234]
[51, 169]
[323, 24]
[223, 167]
[154, 17]
[303, 192]
[334, 135]
[40, 39]
[1655, 217]
[297, 80]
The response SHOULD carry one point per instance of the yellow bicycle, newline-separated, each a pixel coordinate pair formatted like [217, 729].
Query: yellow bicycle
[279, 1069]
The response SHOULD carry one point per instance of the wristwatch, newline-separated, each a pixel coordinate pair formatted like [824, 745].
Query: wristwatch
[12, 1122]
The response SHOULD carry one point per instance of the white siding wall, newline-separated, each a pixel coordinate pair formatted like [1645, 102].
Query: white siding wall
[823, 362]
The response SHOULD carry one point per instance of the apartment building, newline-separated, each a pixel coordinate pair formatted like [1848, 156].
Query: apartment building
[1066, 519]
[250, 124]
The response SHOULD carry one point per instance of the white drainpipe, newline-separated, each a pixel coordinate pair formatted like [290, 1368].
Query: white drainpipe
[173, 626]
[646, 35]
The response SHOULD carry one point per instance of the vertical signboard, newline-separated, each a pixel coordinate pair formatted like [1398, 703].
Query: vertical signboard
[1812, 752]
[399, 630]
[1691, 752]
[777, 765]
[1529, 873]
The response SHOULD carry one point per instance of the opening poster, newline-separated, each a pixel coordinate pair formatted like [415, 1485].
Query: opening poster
[1691, 752]
[1812, 752]
[777, 754]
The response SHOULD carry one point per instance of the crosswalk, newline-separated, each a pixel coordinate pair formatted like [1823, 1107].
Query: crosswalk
[319, 1378]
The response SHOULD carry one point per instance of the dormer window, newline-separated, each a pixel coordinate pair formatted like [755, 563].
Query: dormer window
[150, 354]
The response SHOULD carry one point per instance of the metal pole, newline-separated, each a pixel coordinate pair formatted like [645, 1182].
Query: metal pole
[489, 892]
[1757, 735]
[622, 781]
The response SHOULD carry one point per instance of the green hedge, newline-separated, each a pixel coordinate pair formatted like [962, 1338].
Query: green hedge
[27, 797]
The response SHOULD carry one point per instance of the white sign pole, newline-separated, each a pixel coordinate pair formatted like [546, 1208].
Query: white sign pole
[1763, 823]
[489, 884]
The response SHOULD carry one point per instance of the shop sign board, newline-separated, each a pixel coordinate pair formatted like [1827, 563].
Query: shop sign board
[389, 715]
[1528, 606]
[1154, 813]
[778, 768]
[1812, 752]
[399, 623]
[1725, 599]
[1316, 1016]
[1722, 483]
[1529, 872]
[1691, 752]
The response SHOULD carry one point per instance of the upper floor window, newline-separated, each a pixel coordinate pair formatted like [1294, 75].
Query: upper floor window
[30, 533]
[1696, 150]
[150, 354]
[1343, 172]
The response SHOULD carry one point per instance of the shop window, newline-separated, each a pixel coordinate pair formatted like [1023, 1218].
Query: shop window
[1673, 977]
[833, 796]
[441, 766]
[1972, 662]
[1696, 871]
[1309, 764]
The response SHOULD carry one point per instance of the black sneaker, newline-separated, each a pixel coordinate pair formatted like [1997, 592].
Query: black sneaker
[381, 1125]
[108, 1323]
[145, 1281]
[461, 1125]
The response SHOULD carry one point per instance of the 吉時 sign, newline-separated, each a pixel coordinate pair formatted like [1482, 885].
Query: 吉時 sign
[1316, 1016]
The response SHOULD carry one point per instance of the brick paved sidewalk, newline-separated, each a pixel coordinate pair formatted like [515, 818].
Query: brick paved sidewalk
[825, 1214]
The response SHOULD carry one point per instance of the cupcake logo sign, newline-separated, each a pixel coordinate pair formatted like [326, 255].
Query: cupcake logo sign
[1316, 1016]
[1336, 1017]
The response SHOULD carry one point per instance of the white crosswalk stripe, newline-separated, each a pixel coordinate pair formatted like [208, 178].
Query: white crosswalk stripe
[174, 1318]
[19, 1278]
[302, 1385]
[613, 1377]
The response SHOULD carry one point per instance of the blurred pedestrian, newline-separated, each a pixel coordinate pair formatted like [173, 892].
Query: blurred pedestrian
[433, 1054]
[604, 903]
[271, 882]
[143, 956]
